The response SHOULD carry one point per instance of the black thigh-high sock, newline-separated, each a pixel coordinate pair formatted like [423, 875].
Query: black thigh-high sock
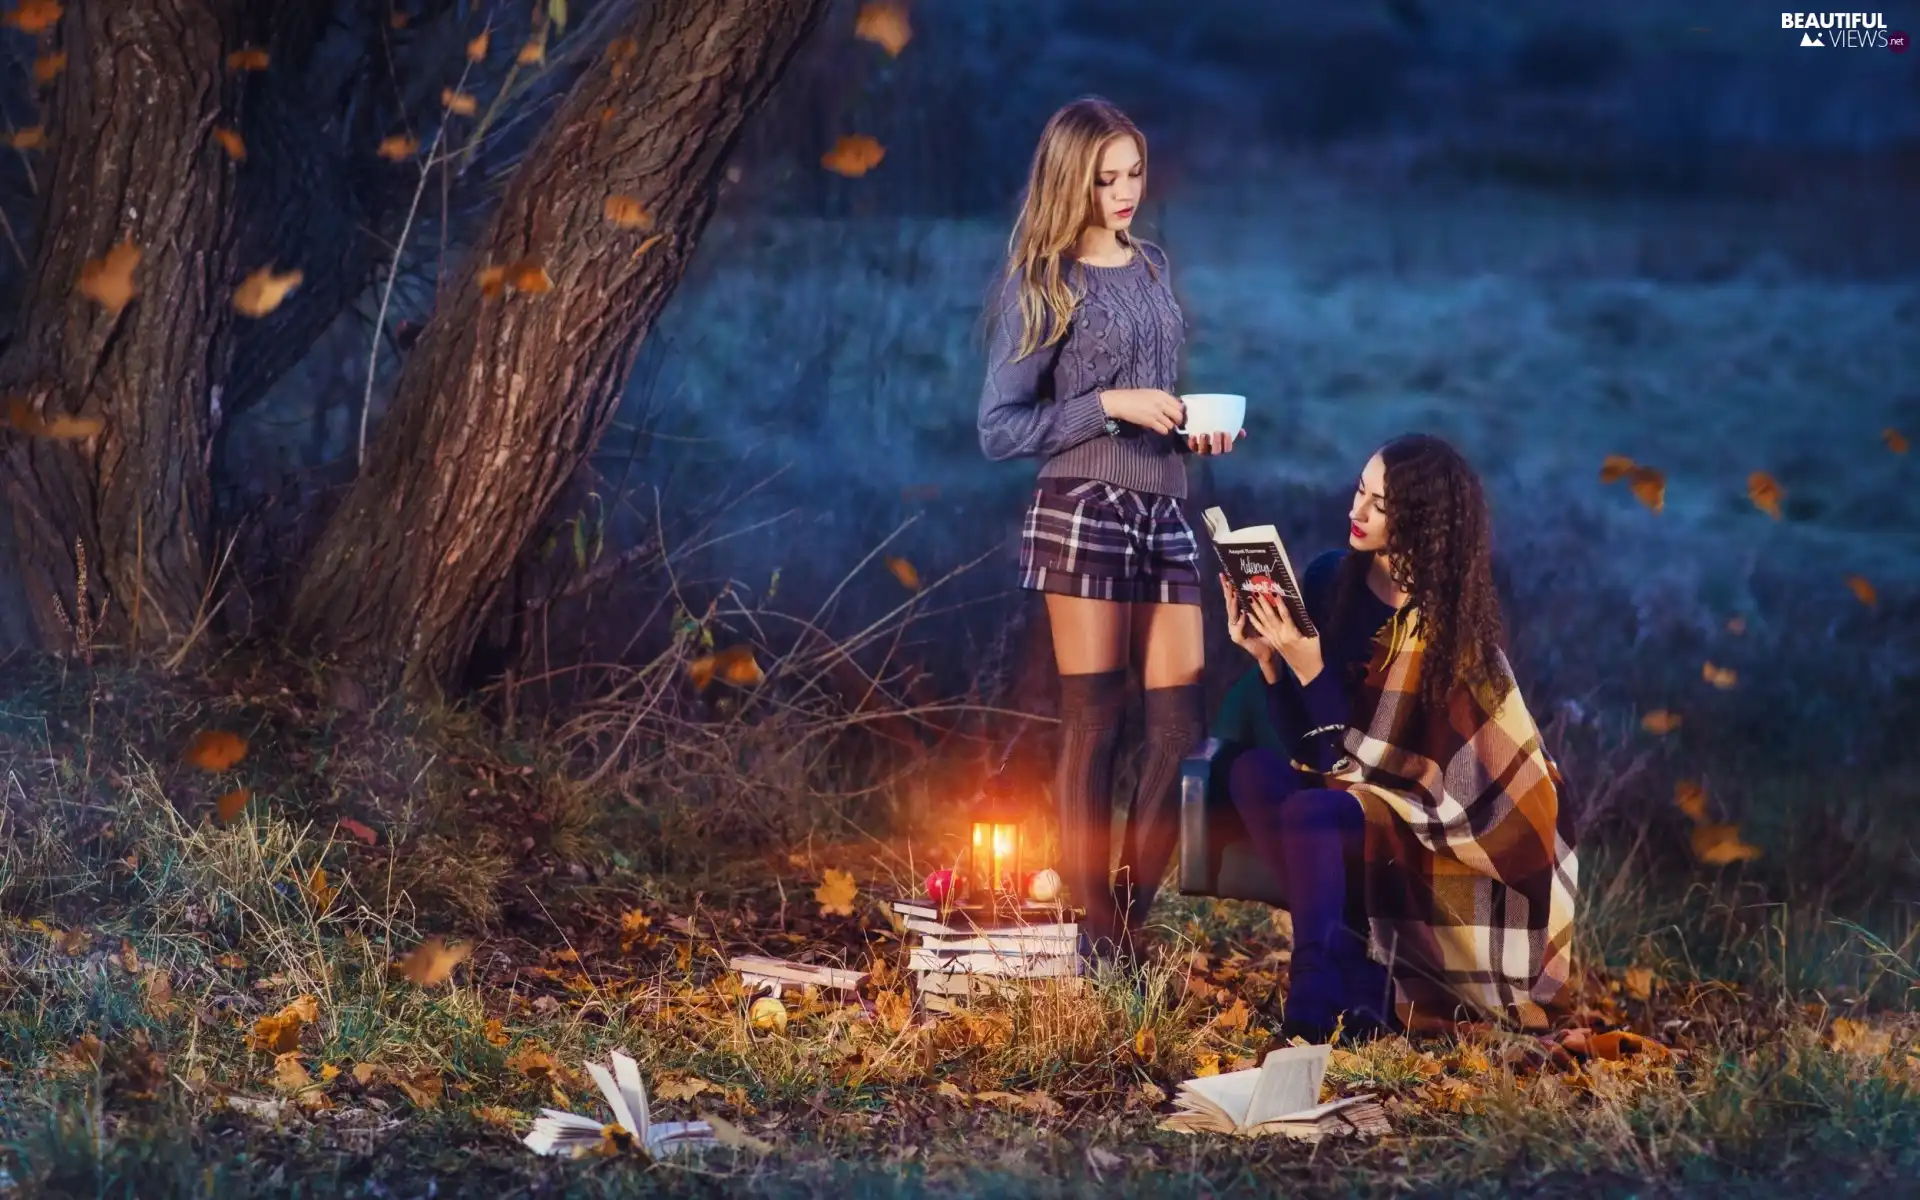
[1176, 721]
[1091, 709]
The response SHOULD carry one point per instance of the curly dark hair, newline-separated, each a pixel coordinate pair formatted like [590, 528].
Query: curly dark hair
[1439, 542]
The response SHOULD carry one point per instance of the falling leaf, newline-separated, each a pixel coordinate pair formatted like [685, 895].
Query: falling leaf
[1895, 440]
[357, 831]
[461, 104]
[557, 13]
[627, 213]
[853, 155]
[1858, 1037]
[231, 141]
[1720, 677]
[1863, 591]
[532, 54]
[34, 16]
[530, 277]
[230, 806]
[47, 67]
[31, 138]
[645, 246]
[1736, 625]
[60, 426]
[279, 1033]
[398, 20]
[1718, 845]
[1691, 799]
[836, 894]
[735, 665]
[905, 572]
[885, 24]
[477, 48]
[700, 671]
[1660, 722]
[215, 750]
[261, 292]
[1649, 487]
[1614, 467]
[247, 58]
[1765, 492]
[432, 961]
[398, 147]
[108, 281]
[1639, 982]
[492, 281]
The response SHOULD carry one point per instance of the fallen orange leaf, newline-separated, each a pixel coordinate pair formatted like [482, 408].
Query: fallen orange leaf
[853, 155]
[279, 1033]
[231, 141]
[1614, 468]
[1765, 492]
[230, 806]
[1863, 591]
[247, 58]
[357, 831]
[1639, 982]
[108, 280]
[215, 750]
[885, 24]
[262, 292]
[836, 893]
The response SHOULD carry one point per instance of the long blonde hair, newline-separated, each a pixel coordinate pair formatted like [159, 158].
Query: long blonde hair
[1058, 202]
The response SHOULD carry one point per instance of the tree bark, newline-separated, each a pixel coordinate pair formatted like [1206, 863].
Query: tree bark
[503, 396]
[133, 160]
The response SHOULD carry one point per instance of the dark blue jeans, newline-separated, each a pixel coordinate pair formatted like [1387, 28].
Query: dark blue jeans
[1314, 840]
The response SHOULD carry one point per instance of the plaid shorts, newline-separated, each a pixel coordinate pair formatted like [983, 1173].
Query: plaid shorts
[1091, 539]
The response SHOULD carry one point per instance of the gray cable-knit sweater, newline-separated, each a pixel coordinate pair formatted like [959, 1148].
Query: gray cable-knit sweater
[1126, 333]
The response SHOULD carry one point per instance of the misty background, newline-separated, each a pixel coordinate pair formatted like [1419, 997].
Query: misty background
[1546, 232]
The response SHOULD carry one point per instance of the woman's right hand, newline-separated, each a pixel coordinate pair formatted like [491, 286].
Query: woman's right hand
[1149, 408]
[1262, 650]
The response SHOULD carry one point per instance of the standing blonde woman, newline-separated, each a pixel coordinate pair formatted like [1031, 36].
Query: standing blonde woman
[1082, 365]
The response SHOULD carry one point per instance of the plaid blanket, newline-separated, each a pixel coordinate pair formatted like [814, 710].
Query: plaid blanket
[1470, 868]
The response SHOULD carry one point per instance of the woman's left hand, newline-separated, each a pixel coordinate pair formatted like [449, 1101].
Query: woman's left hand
[1213, 443]
[1275, 624]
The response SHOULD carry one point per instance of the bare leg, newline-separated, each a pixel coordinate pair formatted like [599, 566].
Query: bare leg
[1090, 648]
[1169, 644]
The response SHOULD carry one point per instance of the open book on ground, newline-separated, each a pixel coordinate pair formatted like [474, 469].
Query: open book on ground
[556, 1132]
[1281, 1095]
[1255, 559]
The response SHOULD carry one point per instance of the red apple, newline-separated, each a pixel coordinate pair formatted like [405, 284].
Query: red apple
[942, 885]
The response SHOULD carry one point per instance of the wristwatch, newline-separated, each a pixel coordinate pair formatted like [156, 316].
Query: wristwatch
[1113, 427]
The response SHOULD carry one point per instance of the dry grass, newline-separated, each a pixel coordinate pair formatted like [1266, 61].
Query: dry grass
[1798, 1035]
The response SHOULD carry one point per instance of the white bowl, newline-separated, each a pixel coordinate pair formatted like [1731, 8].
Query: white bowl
[1214, 412]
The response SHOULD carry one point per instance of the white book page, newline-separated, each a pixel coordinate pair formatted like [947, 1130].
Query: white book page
[1289, 1083]
[1231, 1092]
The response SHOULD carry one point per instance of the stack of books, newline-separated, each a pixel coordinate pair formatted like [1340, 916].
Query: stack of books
[961, 950]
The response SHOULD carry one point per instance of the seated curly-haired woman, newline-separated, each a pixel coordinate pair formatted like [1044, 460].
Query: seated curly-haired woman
[1400, 788]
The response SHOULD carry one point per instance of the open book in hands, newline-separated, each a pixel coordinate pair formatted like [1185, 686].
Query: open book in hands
[1255, 559]
[556, 1132]
[1281, 1095]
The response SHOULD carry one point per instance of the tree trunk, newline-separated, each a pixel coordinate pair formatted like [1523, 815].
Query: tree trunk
[133, 160]
[504, 395]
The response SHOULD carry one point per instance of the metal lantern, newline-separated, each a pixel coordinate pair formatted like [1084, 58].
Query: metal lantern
[999, 834]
